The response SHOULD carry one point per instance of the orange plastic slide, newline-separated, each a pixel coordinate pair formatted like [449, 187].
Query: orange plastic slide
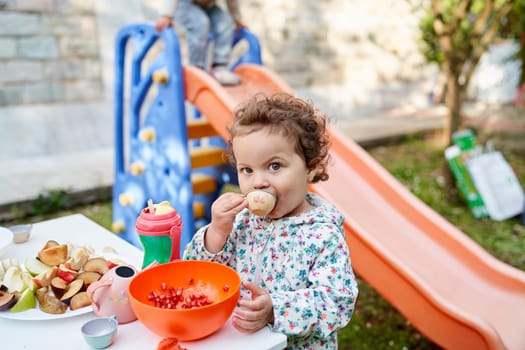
[445, 284]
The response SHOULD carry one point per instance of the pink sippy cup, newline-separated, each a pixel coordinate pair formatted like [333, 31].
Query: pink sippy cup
[159, 235]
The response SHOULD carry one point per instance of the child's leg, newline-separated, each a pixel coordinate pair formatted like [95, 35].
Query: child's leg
[223, 29]
[195, 22]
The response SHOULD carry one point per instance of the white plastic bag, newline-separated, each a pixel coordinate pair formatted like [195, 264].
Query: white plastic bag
[498, 185]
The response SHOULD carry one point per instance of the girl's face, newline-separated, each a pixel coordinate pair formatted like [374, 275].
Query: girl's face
[269, 162]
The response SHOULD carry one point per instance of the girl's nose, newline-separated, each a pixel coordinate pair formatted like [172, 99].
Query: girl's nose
[259, 181]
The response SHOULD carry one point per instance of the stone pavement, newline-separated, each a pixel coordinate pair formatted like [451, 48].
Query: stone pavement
[90, 173]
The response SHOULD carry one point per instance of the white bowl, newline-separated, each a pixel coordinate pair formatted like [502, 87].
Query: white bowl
[21, 233]
[6, 238]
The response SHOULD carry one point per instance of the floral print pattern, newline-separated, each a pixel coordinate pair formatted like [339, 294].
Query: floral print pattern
[304, 264]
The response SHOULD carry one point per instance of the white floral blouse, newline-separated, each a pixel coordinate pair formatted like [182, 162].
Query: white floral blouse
[304, 264]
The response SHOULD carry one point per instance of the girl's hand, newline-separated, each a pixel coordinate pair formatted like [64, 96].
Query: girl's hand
[239, 25]
[223, 212]
[163, 22]
[252, 315]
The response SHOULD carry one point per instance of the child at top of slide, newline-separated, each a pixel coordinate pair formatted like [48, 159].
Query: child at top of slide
[198, 19]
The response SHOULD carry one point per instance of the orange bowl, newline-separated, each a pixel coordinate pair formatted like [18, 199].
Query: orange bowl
[217, 282]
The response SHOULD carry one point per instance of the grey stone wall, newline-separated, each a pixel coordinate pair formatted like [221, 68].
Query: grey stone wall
[49, 52]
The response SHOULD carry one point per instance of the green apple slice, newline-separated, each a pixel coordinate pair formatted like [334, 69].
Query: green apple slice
[34, 266]
[28, 281]
[26, 301]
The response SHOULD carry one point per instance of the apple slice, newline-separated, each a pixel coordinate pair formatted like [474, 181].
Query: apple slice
[77, 259]
[44, 279]
[34, 266]
[79, 301]
[98, 264]
[7, 300]
[53, 256]
[73, 288]
[28, 281]
[8, 262]
[26, 301]
[59, 286]
[66, 274]
[88, 277]
[13, 279]
[48, 302]
[50, 243]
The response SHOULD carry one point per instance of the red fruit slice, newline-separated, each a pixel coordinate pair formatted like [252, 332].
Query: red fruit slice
[169, 344]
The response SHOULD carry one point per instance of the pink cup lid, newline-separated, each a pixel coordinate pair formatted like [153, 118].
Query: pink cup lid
[157, 225]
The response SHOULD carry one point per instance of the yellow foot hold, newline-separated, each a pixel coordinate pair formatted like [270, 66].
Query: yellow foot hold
[147, 134]
[137, 168]
[198, 210]
[118, 226]
[160, 76]
[125, 199]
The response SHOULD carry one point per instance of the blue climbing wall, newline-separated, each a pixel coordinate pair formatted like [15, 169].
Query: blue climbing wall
[152, 158]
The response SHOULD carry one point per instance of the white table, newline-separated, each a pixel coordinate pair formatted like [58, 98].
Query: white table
[65, 333]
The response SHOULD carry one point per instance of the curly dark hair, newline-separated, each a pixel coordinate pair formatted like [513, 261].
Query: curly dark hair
[291, 117]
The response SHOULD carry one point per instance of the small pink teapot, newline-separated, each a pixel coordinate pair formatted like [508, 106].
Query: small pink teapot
[109, 295]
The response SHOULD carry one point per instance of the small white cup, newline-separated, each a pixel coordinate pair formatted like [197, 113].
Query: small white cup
[99, 333]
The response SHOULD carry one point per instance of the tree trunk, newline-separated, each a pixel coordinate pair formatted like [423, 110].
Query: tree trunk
[453, 102]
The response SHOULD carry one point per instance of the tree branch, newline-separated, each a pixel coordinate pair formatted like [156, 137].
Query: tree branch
[460, 14]
[485, 39]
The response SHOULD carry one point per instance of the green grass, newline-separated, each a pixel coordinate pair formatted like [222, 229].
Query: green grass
[417, 163]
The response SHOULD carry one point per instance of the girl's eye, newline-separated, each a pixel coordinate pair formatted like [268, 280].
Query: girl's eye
[245, 170]
[275, 166]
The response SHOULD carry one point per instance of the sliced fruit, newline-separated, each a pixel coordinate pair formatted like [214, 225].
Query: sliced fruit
[98, 264]
[77, 259]
[66, 274]
[59, 286]
[112, 264]
[26, 301]
[7, 300]
[44, 279]
[48, 302]
[88, 277]
[13, 279]
[72, 289]
[8, 262]
[49, 244]
[28, 281]
[169, 344]
[53, 256]
[79, 301]
[34, 266]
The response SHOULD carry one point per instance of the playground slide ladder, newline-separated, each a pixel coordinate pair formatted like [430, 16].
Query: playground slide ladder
[160, 154]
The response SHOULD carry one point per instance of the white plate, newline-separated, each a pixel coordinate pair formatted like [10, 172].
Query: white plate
[6, 238]
[37, 315]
